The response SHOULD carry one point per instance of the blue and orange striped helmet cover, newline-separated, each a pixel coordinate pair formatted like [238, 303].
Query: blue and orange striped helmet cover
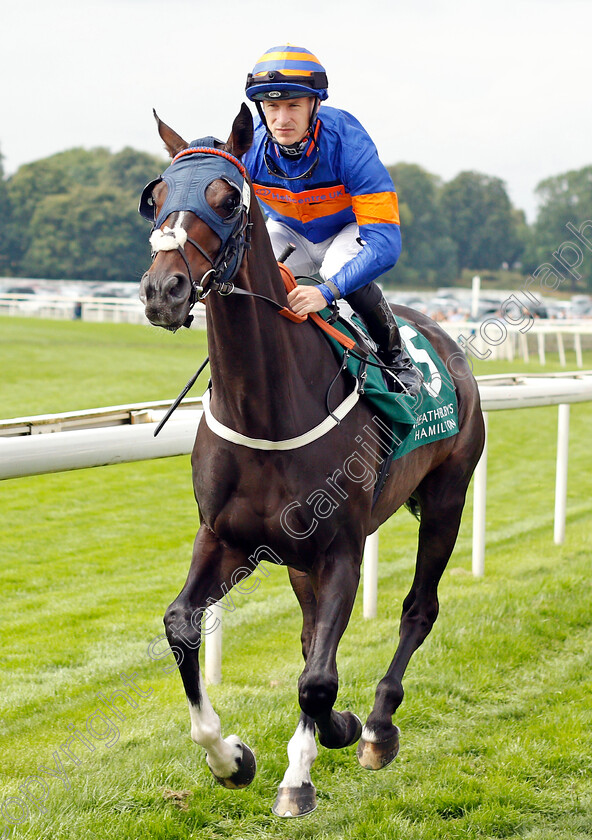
[287, 72]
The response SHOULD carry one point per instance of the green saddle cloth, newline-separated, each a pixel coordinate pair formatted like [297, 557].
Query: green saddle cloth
[431, 415]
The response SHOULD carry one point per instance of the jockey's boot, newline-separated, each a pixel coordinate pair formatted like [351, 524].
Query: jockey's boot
[384, 331]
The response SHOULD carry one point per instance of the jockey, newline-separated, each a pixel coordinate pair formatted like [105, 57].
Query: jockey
[326, 192]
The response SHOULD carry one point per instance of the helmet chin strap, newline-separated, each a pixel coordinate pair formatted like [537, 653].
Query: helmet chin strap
[293, 150]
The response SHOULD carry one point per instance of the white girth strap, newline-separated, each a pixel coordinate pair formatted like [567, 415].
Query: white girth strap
[292, 443]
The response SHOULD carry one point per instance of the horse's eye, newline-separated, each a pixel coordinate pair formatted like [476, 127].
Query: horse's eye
[232, 204]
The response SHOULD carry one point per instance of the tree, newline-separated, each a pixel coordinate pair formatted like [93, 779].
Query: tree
[131, 170]
[4, 220]
[26, 188]
[74, 215]
[90, 233]
[428, 254]
[563, 199]
[482, 222]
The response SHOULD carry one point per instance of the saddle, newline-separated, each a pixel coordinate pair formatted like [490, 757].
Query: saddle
[409, 421]
[403, 422]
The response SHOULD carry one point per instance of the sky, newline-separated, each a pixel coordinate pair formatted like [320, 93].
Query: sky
[502, 88]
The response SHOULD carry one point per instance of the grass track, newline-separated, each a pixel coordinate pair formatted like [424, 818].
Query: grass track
[497, 720]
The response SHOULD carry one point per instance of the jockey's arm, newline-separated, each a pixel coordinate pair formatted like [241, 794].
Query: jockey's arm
[382, 246]
[306, 299]
[375, 206]
[380, 252]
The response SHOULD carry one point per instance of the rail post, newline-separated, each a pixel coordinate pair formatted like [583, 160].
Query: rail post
[561, 473]
[371, 575]
[213, 652]
[479, 508]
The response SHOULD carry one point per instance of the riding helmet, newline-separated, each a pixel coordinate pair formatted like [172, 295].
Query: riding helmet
[287, 72]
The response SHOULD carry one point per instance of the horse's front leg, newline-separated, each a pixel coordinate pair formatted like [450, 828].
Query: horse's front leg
[297, 794]
[335, 582]
[214, 570]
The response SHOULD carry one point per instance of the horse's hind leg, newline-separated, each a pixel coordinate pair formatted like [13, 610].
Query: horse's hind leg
[324, 620]
[441, 503]
[214, 570]
[297, 795]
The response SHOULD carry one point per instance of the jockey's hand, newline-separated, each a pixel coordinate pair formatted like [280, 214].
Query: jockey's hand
[306, 299]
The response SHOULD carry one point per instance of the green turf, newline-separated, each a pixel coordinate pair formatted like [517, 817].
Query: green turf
[497, 720]
[54, 366]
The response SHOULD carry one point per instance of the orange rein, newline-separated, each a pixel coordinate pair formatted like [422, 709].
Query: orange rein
[290, 283]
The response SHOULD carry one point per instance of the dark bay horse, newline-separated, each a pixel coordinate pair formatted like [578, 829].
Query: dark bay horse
[269, 379]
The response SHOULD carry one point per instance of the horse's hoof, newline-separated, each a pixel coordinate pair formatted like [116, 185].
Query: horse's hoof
[295, 802]
[374, 755]
[354, 727]
[353, 730]
[244, 775]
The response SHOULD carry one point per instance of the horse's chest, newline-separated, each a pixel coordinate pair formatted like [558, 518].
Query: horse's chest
[242, 498]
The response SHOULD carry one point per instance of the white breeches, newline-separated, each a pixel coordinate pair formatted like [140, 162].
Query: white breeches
[324, 258]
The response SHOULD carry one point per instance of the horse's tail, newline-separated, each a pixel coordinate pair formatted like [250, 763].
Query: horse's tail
[413, 507]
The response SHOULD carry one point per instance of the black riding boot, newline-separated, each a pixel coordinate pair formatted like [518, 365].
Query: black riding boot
[384, 331]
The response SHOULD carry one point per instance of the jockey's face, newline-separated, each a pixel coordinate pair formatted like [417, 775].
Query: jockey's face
[288, 119]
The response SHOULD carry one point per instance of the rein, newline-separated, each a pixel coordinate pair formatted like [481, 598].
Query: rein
[235, 242]
[224, 268]
[169, 239]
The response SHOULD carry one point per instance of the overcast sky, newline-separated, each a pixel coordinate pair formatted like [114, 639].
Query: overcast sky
[491, 85]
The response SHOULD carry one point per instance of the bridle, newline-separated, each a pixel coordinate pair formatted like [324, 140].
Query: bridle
[176, 238]
[225, 265]
[235, 241]
[188, 193]
[218, 276]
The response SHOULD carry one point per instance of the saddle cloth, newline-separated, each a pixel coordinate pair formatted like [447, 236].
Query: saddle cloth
[413, 421]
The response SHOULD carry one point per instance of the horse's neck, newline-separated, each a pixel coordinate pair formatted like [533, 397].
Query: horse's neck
[269, 375]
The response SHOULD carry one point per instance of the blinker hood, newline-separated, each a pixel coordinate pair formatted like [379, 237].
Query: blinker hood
[187, 179]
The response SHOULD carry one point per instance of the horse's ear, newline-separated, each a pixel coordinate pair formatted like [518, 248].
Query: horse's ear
[173, 142]
[241, 135]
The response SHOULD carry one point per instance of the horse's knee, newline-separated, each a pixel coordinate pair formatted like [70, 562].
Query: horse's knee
[182, 625]
[174, 616]
[317, 693]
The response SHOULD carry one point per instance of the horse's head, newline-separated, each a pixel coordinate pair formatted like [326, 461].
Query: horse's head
[199, 211]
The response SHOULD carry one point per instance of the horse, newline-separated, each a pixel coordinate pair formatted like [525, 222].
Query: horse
[261, 455]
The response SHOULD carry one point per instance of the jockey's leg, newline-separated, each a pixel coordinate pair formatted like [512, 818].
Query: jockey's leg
[369, 303]
[303, 260]
[371, 306]
[339, 250]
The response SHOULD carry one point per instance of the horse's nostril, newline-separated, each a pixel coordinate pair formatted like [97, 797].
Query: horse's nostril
[176, 286]
[146, 288]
